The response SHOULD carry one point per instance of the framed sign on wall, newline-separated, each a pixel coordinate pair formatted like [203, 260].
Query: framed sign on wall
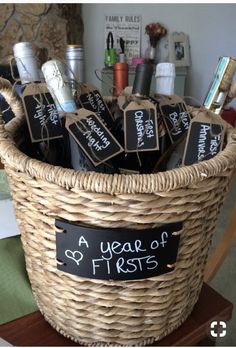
[179, 49]
[127, 27]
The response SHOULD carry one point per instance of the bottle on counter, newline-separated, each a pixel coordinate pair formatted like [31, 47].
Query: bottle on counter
[120, 78]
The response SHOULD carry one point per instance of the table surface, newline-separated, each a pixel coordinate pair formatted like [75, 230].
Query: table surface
[33, 330]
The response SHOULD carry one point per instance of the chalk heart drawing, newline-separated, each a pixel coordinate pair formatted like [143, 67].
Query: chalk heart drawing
[76, 256]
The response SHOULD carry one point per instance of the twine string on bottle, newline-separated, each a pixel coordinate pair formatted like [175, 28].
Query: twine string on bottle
[82, 128]
[110, 86]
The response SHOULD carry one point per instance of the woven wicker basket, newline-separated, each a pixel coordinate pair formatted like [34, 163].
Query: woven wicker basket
[99, 312]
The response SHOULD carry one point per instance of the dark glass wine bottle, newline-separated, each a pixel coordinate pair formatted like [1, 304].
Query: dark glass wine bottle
[58, 84]
[131, 162]
[154, 161]
[52, 151]
[172, 154]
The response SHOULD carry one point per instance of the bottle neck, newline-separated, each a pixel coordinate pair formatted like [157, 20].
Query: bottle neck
[142, 81]
[58, 85]
[27, 68]
[137, 98]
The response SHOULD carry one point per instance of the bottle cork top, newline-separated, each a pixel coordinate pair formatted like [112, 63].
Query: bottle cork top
[21, 49]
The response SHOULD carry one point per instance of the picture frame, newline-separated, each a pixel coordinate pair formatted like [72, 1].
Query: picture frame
[179, 49]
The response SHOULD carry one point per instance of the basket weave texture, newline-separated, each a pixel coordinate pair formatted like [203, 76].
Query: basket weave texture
[99, 312]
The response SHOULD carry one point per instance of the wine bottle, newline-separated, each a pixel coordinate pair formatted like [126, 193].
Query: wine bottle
[58, 84]
[120, 82]
[75, 66]
[26, 63]
[171, 154]
[50, 151]
[128, 162]
[165, 78]
[220, 85]
[154, 161]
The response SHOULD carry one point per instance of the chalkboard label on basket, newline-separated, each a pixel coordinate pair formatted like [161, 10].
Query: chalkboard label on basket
[92, 136]
[175, 116]
[91, 99]
[204, 141]
[117, 254]
[41, 113]
[140, 127]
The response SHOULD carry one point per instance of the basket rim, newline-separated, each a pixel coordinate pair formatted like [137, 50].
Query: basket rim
[169, 180]
[112, 184]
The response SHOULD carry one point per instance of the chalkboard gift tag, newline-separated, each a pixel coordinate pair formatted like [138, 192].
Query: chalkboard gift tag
[140, 127]
[41, 113]
[116, 253]
[162, 130]
[205, 137]
[175, 116]
[92, 136]
[90, 98]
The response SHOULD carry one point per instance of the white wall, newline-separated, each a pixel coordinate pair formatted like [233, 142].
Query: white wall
[211, 29]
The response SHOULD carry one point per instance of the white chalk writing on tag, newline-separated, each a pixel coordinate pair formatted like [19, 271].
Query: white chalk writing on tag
[109, 250]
